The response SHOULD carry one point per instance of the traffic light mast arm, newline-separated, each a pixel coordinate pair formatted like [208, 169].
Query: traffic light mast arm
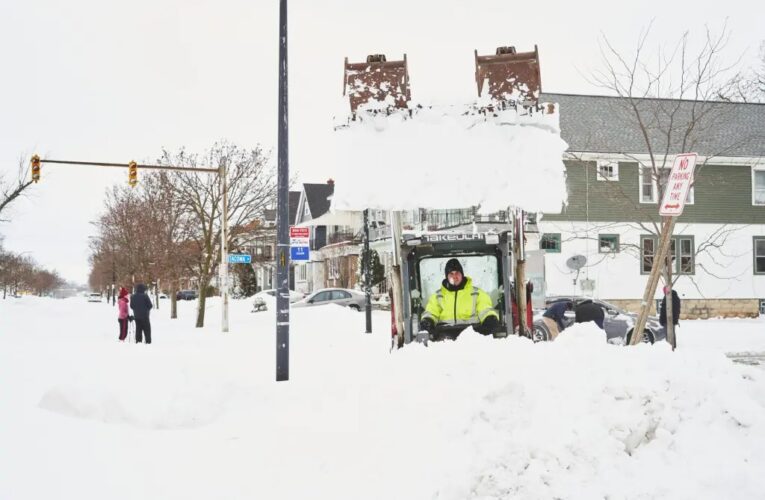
[127, 165]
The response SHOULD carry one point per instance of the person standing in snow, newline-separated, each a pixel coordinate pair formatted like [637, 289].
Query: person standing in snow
[459, 302]
[141, 305]
[588, 310]
[675, 309]
[122, 313]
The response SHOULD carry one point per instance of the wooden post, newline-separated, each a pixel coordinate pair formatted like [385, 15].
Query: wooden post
[520, 273]
[653, 279]
[395, 278]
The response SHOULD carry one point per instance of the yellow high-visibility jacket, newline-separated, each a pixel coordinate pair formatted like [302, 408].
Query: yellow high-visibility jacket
[467, 306]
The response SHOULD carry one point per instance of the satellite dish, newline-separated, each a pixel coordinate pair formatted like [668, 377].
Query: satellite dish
[576, 262]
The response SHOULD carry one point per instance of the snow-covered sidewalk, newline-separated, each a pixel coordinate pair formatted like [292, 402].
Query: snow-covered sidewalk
[198, 415]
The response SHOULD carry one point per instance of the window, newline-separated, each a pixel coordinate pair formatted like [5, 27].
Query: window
[759, 255]
[647, 186]
[608, 243]
[340, 295]
[550, 242]
[649, 190]
[758, 187]
[647, 252]
[322, 296]
[608, 171]
[301, 272]
[686, 264]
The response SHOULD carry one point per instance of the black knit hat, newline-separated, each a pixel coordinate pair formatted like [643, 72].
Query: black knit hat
[453, 265]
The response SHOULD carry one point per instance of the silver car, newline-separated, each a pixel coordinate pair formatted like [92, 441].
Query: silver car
[341, 296]
[617, 322]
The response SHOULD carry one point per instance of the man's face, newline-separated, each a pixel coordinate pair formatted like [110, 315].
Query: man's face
[454, 278]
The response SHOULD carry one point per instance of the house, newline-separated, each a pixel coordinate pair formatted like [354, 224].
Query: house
[612, 211]
[260, 242]
[334, 241]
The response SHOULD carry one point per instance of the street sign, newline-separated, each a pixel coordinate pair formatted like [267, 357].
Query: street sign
[678, 184]
[239, 258]
[300, 232]
[300, 253]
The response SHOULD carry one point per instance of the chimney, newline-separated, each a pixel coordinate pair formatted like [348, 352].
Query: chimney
[331, 181]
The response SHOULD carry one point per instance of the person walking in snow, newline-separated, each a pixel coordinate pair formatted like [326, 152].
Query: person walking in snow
[122, 313]
[459, 302]
[675, 309]
[141, 305]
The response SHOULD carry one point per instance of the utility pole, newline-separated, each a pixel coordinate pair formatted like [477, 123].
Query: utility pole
[367, 273]
[282, 212]
[224, 247]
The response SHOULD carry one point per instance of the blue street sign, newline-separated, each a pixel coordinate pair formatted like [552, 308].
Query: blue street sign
[299, 253]
[239, 258]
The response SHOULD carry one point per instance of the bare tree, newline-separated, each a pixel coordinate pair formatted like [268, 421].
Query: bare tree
[11, 190]
[672, 100]
[251, 189]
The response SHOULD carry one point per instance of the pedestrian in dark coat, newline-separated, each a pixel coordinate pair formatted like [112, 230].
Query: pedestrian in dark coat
[675, 308]
[122, 312]
[557, 311]
[589, 311]
[141, 305]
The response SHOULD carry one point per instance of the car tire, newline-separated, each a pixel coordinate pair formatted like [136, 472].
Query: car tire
[648, 337]
[355, 307]
[539, 333]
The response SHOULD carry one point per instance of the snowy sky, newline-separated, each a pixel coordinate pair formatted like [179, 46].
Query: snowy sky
[115, 81]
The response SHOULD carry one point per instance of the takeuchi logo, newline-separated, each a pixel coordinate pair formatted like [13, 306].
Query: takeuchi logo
[454, 237]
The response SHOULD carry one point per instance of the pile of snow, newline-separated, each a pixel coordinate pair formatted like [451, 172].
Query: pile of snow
[445, 157]
[198, 415]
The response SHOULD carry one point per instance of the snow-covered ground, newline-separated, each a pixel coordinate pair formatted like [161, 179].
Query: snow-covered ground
[198, 415]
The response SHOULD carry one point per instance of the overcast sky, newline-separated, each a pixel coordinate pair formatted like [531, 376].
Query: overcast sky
[114, 81]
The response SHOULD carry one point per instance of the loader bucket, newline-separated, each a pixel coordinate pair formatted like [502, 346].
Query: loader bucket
[512, 76]
[377, 80]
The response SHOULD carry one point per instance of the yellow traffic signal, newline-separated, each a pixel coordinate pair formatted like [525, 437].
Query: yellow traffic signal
[35, 168]
[132, 174]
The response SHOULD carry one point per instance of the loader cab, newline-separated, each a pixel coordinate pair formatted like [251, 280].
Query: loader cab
[485, 257]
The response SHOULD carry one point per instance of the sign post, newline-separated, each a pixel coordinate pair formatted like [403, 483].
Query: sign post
[672, 204]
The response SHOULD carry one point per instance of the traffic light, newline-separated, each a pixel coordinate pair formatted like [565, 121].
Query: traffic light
[132, 174]
[35, 168]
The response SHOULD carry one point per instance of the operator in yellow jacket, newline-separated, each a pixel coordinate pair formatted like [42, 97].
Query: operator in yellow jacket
[459, 302]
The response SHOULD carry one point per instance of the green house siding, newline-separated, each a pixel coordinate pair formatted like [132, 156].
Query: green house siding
[723, 194]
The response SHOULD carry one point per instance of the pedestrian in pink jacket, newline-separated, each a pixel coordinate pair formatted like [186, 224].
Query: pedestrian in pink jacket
[122, 316]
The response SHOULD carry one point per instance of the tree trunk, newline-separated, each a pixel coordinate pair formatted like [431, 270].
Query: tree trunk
[204, 282]
[174, 300]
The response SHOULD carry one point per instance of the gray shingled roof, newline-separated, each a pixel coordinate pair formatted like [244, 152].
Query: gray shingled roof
[294, 200]
[607, 125]
[317, 196]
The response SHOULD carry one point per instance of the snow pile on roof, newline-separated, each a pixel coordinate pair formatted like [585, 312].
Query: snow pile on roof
[447, 158]
[197, 414]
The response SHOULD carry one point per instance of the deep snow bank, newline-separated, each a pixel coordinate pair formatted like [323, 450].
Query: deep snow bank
[198, 415]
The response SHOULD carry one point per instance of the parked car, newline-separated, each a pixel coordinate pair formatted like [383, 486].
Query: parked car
[186, 295]
[94, 297]
[617, 322]
[341, 296]
[259, 299]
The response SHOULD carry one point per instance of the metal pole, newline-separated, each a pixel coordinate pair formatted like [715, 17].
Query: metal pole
[367, 273]
[282, 212]
[224, 248]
